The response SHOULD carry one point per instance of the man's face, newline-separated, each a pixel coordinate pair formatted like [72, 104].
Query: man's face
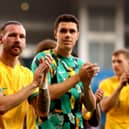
[13, 39]
[119, 64]
[66, 35]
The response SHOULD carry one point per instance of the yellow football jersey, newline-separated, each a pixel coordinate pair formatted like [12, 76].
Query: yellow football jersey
[118, 116]
[11, 81]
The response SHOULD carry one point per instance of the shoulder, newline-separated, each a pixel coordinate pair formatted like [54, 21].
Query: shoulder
[24, 69]
[78, 60]
[25, 73]
[43, 54]
[107, 81]
[2, 66]
[36, 59]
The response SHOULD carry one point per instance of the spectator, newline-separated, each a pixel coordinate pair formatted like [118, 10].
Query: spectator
[45, 45]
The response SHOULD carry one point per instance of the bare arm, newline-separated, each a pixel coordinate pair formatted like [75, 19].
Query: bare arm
[109, 102]
[88, 71]
[10, 101]
[41, 103]
[58, 89]
[90, 100]
[94, 119]
[1, 123]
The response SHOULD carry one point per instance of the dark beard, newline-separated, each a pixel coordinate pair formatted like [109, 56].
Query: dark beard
[16, 53]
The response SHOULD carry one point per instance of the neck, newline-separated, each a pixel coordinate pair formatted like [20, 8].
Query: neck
[118, 77]
[63, 52]
[9, 60]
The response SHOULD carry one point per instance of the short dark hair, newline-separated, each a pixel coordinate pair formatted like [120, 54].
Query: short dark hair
[9, 23]
[66, 18]
[45, 45]
[123, 51]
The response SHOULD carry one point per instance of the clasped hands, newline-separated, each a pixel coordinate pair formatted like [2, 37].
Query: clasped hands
[87, 72]
[41, 71]
[124, 79]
